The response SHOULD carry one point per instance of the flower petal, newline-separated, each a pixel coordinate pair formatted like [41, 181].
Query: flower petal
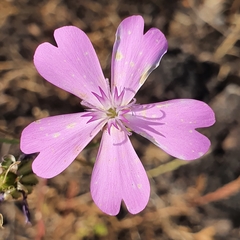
[59, 140]
[171, 126]
[135, 55]
[72, 65]
[118, 175]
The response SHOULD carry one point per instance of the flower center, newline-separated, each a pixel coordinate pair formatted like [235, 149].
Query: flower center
[112, 113]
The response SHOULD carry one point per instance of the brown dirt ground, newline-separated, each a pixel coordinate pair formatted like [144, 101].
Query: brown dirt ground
[203, 62]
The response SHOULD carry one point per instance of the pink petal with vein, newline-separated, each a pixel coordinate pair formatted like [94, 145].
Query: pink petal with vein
[119, 175]
[171, 126]
[59, 140]
[135, 55]
[72, 65]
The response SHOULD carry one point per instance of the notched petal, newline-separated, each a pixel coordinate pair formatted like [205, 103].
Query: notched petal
[135, 55]
[118, 175]
[72, 65]
[59, 140]
[172, 125]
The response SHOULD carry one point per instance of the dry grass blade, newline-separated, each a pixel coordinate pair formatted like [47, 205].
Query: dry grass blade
[222, 193]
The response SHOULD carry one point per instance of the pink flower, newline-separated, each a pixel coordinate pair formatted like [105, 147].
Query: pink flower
[118, 173]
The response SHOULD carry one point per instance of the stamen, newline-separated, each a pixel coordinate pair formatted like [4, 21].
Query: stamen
[123, 128]
[127, 107]
[103, 122]
[117, 123]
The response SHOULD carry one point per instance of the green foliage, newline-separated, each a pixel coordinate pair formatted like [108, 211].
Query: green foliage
[16, 177]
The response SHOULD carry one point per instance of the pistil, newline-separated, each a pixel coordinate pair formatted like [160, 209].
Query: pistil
[112, 113]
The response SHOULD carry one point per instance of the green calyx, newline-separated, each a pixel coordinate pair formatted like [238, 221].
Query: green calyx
[16, 177]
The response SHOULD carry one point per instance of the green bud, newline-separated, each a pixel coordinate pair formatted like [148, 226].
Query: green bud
[29, 179]
[25, 167]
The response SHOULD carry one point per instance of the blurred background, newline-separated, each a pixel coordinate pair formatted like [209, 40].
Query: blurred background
[199, 200]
